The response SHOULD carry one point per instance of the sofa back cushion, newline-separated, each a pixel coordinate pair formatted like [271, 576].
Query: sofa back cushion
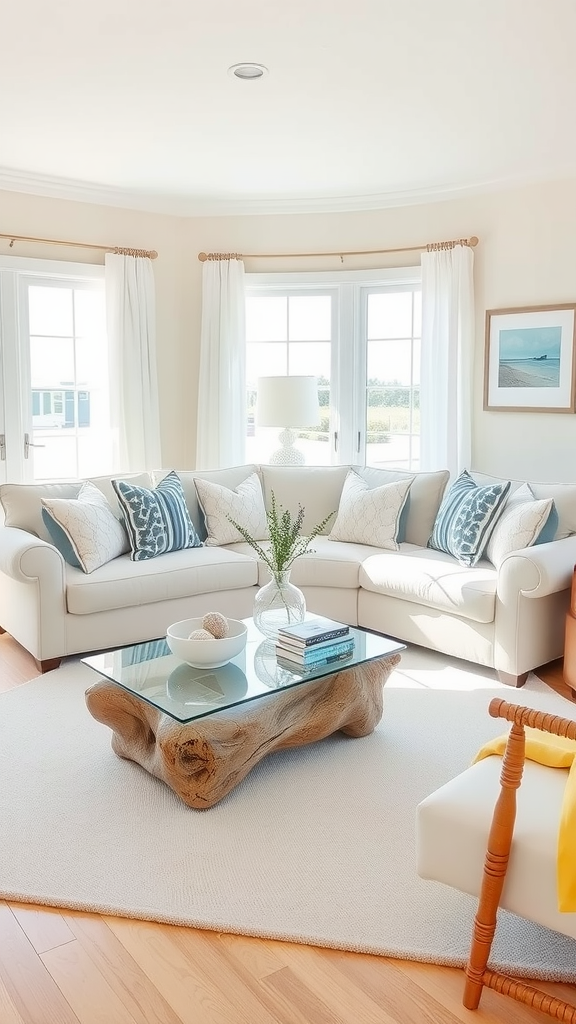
[230, 477]
[22, 503]
[156, 518]
[564, 496]
[467, 517]
[521, 524]
[104, 484]
[370, 515]
[422, 503]
[85, 529]
[316, 488]
[244, 504]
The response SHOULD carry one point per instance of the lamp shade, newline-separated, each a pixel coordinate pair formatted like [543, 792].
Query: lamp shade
[287, 401]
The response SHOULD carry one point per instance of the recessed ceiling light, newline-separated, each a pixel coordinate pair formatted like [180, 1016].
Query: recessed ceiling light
[248, 70]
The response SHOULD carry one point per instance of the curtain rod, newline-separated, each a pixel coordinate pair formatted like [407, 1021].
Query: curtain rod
[430, 247]
[83, 245]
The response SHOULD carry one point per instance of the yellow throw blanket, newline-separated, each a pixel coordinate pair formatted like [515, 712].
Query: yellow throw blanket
[555, 752]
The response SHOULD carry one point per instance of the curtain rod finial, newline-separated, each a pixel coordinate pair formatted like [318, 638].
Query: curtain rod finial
[202, 257]
[473, 241]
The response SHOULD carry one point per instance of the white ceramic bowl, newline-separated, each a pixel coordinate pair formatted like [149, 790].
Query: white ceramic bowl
[206, 653]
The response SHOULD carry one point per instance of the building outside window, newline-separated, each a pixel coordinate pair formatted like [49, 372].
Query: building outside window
[359, 334]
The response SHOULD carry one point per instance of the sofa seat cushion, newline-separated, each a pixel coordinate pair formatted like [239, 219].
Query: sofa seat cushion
[452, 826]
[433, 578]
[331, 564]
[123, 583]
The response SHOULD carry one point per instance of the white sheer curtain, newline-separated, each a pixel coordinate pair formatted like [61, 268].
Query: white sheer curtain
[446, 360]
[130, 316]
[221, 428]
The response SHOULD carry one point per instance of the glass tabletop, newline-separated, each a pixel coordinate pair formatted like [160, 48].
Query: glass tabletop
[155, 675]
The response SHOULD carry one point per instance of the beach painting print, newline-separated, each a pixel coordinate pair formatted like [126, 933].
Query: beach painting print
[529, 359]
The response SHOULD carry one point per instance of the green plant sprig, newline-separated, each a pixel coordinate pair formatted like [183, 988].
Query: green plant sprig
[286, 544]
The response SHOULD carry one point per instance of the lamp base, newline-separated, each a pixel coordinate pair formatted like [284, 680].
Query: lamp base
[287, 455]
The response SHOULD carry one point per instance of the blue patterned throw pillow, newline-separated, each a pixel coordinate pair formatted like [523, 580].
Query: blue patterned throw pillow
[156, 520]
[467, 517]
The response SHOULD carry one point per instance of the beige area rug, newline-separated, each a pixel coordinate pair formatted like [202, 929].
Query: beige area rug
[316, 845]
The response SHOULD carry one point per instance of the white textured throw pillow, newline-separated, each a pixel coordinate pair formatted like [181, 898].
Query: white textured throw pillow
[370, 515]
[244, 504]
[520, 525]
[85, 529]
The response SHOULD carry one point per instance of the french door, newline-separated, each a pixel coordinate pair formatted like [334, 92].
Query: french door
[54, 398]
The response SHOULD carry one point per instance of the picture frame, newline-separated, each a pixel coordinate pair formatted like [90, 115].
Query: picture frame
[529, 361]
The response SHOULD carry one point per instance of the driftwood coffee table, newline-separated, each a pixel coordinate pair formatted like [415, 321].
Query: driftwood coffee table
[201, 731]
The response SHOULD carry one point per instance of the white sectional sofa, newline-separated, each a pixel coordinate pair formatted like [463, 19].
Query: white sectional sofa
[510, 618]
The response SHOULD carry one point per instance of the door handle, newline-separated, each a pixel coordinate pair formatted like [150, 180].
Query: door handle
[28, 444]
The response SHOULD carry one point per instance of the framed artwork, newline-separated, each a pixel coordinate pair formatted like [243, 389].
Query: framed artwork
[529, 363]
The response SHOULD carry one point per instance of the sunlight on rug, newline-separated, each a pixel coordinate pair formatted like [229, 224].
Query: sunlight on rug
[432, 671]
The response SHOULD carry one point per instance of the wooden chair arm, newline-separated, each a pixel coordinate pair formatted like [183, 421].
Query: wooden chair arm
[522, 716]
[497, 857]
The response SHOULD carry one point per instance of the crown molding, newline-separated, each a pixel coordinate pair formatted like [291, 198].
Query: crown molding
[51, 187]
[209, 206]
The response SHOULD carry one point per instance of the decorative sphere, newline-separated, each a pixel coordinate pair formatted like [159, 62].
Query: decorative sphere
[201, 634]
[216, 624]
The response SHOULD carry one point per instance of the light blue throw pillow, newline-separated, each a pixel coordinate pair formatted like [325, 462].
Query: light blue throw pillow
[157, 520]
[467, 517]
[60, 539]
[549, 530]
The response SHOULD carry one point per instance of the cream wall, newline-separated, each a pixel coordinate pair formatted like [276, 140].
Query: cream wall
[525, 257]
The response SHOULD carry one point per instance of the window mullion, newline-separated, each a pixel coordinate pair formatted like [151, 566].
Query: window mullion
[343, 361]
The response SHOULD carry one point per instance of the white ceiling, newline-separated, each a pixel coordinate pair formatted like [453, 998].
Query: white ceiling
[367, 104]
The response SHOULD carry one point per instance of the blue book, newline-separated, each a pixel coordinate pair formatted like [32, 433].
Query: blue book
[312, 656]
[287, 644]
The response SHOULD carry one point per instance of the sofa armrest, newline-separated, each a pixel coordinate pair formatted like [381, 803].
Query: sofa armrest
[27, 558]
[538, 571]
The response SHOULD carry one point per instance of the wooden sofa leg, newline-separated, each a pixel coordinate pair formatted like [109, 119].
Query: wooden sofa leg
[510, 680]
[48, 665]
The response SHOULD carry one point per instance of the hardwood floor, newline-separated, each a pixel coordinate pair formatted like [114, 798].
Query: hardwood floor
[64, 967]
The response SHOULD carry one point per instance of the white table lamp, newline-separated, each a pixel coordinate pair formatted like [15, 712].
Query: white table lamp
[287, 402]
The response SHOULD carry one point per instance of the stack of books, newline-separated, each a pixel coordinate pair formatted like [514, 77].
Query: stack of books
[314, 643]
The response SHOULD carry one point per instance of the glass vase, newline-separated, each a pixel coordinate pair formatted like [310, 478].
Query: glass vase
[278, 604]
[267, 668]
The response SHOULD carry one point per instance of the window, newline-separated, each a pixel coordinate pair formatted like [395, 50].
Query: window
[289, 333]
[54, 366]
[359, 334]
[392, 403]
